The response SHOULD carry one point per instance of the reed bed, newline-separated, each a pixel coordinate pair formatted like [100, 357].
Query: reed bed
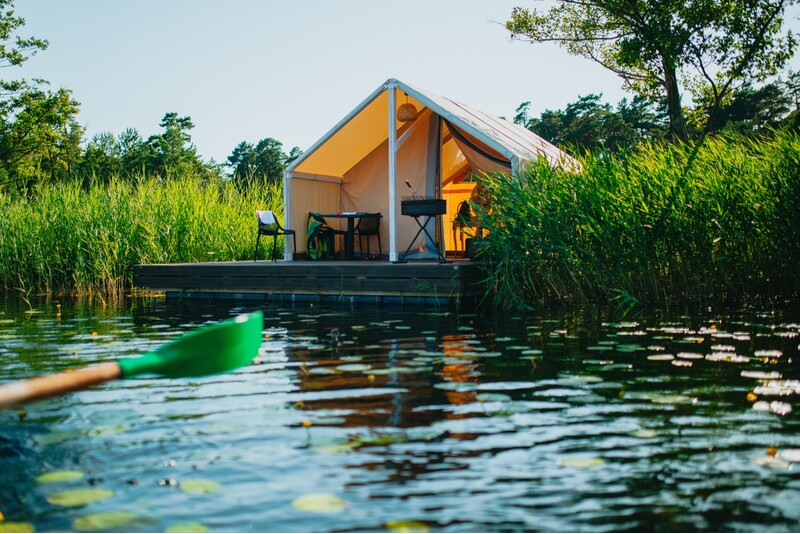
[66, 238]
[641, 228]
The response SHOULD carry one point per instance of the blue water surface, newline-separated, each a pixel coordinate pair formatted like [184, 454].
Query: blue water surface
[413, 419]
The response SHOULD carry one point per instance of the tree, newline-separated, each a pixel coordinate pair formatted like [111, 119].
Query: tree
[260, 163]
[590, 125]
[659, 46]
[752, 110]
[37, 127]
[15, 50]
[39, 136]
[270, 159]
[173, 150]
[243, 162]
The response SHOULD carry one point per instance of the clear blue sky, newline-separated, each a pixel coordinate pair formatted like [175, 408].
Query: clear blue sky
[244, 70]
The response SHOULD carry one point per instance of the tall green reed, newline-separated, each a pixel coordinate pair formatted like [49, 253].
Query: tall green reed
[70, 239]
[635, 227]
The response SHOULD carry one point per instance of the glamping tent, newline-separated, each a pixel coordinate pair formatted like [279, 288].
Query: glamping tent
[403, 135]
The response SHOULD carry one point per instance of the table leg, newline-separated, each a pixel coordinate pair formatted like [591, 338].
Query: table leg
[349, 239]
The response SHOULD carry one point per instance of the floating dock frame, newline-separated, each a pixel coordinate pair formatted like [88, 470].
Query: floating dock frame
[454, 282]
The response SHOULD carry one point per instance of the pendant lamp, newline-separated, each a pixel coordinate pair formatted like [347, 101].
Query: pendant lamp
[406, 112]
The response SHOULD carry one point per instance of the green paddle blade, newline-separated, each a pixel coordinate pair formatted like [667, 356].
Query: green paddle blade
[211, 349]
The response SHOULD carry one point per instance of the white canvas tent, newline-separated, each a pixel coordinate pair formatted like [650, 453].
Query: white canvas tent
[364, 161]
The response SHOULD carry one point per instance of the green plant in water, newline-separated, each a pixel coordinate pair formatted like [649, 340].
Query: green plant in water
[67, 238]
[637, 224]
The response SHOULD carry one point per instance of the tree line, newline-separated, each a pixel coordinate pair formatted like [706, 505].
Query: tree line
[590, 125]
[41, 139]
[723, 54]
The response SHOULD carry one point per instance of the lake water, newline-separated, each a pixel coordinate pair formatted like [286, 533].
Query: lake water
[381, 419]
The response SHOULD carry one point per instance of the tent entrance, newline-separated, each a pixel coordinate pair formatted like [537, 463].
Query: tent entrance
[365, 160]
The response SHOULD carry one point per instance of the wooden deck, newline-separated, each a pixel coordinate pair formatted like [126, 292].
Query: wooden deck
[455, 282]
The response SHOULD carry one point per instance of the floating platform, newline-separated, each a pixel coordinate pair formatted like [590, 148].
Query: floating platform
[454, 282]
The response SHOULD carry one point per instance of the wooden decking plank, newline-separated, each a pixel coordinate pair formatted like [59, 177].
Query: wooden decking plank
[449, 280]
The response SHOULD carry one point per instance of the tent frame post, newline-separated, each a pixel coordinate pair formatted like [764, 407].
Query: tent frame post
[392, 122]
[287, 213]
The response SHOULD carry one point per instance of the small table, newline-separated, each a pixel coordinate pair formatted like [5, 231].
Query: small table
[349, 234]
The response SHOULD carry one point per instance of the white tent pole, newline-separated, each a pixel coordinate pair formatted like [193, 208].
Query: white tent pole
[392, 172]
[287, 214]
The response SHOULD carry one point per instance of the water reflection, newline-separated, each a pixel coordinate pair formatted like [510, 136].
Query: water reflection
[435, 419]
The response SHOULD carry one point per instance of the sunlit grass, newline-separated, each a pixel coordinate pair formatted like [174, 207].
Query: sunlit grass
[637, 229]
[69, 239]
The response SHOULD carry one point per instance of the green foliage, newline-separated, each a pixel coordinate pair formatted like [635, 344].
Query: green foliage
[68, 238]
[634, 225]
[15, 49]
[172, 151]
[657, 48]
[167, 154]
[39, 137]
[754, 110]
[588, 125]
[259, 164]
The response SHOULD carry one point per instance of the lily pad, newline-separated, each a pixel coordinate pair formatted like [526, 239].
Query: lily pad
[581, 462]
[790, 455]
[771, 461]
[670, 399]
[325, 503]
[198, 486]
[187, 527]
[456, 386]
[334, 447]
[54, 477]
[761, 375]
[103, 521]
[628, 347]
[79, 497]
[321, 371]
[661, 357]
[644, 433]
[776, 407]
[492, 397]
[394, 370]
[16, 526]
[353, 367]
[54, 438]
[407, 526]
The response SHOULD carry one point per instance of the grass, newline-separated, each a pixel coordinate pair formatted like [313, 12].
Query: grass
[638, 229]
[633, 229]
[70, 239]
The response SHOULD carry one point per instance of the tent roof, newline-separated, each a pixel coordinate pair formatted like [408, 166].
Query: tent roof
[366, 127]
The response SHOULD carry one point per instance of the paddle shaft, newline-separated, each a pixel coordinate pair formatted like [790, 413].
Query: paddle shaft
[43, 387]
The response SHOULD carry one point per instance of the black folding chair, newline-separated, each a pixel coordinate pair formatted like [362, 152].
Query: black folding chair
[268, 225]
[368, 225]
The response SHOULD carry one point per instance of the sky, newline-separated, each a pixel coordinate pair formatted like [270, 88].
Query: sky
[245, 70]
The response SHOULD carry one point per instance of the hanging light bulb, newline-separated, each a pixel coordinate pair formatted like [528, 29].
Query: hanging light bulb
[406, 112]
